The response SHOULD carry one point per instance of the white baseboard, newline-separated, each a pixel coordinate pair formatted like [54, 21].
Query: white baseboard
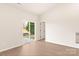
[2, 50]
[15, 46]
[61, 44]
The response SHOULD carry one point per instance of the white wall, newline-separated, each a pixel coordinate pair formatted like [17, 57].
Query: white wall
[38, 29]
[11, 22]
[62, 23]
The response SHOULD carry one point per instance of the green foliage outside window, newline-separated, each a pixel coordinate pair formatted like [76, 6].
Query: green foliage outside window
[31, 27]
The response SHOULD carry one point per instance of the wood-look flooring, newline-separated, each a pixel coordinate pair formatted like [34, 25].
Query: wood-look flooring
[41, 48]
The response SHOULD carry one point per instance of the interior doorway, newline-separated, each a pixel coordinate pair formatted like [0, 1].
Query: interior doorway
[29, 30]
[42, 30]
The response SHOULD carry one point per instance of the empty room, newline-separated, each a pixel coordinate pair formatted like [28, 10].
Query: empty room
[39, 29]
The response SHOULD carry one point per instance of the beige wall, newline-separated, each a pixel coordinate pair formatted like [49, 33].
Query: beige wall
[11, 22]
[62, 23]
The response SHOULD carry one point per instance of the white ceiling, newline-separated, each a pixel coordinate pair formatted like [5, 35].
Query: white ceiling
[41, 8]
[37, 8]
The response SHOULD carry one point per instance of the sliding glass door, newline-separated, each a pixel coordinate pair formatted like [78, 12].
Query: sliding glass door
[29, 30]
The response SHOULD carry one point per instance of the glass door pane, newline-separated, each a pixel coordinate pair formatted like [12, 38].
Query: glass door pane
[29, 30]
[32, 30]
[26, 30]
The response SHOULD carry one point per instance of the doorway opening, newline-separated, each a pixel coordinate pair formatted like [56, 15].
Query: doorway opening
[42, 30]
[29, 30]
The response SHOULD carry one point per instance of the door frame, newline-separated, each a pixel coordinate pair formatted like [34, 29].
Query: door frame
[34, 27]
